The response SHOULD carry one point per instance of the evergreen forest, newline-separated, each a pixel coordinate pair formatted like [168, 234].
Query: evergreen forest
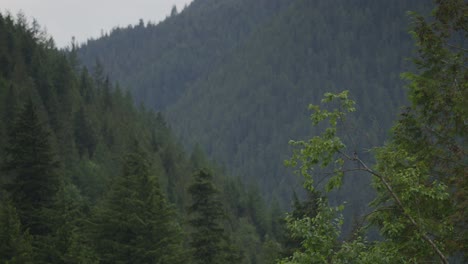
[236, 76]
[239, 131]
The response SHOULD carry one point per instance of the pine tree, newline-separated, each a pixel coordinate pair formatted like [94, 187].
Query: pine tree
[206, 219]
[30, 161]
[135, 224]
[85, 135]
[434, 128]
[16, 243]
[69, 242]
[9, 110]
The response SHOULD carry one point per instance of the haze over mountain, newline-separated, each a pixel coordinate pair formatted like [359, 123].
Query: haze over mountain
[165, 143]
[64, 19]
[177, 51]
[237, 76]
[88, 177]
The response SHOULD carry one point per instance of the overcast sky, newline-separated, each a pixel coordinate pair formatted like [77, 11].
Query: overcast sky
[86, 18]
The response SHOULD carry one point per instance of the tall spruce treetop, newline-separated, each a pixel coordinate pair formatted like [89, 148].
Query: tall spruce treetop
[135, 223]
[435, 127]
[207, 215]
[30, 161]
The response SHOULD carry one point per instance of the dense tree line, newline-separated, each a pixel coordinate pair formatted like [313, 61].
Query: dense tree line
[179, 50]
[420, 173]
[87, 177]
[257, 99]
[236, 77]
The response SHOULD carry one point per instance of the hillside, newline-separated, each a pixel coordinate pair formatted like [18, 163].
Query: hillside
[196, 173]
[160, 61]
[87, 177]
[246, 111]
[244, 105]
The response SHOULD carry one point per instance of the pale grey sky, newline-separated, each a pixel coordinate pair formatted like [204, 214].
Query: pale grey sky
[86, 18]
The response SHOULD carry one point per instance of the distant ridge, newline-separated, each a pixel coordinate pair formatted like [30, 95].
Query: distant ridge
[237, 76]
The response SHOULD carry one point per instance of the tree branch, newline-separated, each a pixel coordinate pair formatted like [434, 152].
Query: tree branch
[456, 47]
[399, 204]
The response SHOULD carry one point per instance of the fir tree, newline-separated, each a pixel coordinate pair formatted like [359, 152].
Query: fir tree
[135, 224]
[85, 136]
[16, 243]
[31, 164]
[206, 219]
[69, 242]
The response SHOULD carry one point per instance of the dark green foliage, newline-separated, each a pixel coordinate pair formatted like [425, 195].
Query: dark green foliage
[69, 243]
[16, 243]
[163, 59]
[420, 173]
[434, 128]
[30, 162]
[85, 136]
[207, 215]
[258, 212]
[301, 209]
[135, 223]
[256, 98]
[236, 76]
[87, 126]
[308, 207]
[210, 240]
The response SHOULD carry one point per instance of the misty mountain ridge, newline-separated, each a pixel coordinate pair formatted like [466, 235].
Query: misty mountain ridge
[168, 142]
[237, 76]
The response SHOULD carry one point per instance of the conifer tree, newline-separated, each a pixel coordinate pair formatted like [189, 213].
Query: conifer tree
[69, 242]
[206, 219]
[434, 128]
[85, 135]
[9, 109]
[15, 246]
[135, 224]
[30, 162]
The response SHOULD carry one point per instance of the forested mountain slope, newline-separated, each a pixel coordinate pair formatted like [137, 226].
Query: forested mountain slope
[86, 177]
[161, 61]
[242, 92]
[246, 111]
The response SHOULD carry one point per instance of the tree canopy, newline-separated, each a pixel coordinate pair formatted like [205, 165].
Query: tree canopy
[419, 174]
